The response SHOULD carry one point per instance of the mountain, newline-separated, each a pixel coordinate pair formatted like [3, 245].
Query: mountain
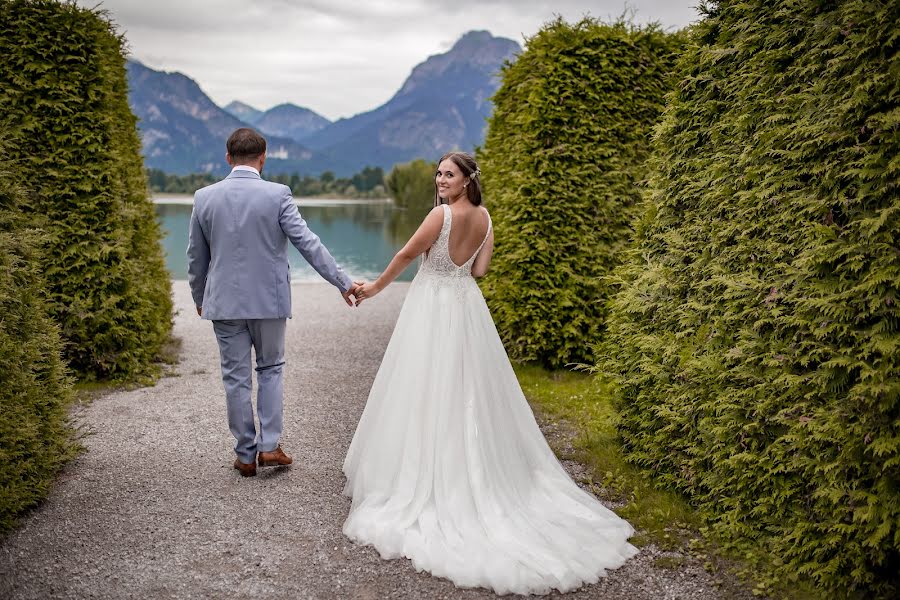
[285, 120]
[244, 112]
[290, 121]
[184, 131]
[443, 105]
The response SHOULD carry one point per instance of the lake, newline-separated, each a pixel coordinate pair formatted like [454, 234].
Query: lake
[363, 235]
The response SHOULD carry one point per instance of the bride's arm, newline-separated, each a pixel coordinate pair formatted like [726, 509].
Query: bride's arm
[422, 240]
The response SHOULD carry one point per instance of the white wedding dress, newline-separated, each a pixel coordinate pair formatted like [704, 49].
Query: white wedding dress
[448, 467]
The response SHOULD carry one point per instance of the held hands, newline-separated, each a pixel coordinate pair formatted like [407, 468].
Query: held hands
[365, 290]
[359, 291]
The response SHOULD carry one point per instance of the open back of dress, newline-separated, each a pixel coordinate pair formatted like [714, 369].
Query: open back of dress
[465, 240]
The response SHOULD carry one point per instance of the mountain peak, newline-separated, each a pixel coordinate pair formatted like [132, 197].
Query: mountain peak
[475, 38]
[286, 107]
[442, 105]
[290, 120]
[238, 105]
[243, 111]
[475, 50]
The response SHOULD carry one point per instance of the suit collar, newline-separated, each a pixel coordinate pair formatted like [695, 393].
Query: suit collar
[241, 174]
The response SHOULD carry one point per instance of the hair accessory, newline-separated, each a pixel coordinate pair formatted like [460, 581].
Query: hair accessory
[475, 173]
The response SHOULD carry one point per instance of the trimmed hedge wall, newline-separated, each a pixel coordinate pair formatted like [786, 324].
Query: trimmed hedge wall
[63, 86]
[755, 336]
[569, 133]
[34, 388]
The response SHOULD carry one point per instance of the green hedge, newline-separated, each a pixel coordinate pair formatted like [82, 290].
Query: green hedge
[34, 388]
[755, 336]
[63, 86]
[569, 133]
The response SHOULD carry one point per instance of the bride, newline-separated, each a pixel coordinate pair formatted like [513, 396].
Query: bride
[447, 466]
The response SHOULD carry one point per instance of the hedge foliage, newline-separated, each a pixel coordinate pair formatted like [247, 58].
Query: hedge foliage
[755, 335]
[34, 387]
[76, 146]
[569, 134]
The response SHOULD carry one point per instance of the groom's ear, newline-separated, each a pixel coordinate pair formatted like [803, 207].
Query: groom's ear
[229, 160]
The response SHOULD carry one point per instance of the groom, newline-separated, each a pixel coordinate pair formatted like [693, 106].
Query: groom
[240, 280]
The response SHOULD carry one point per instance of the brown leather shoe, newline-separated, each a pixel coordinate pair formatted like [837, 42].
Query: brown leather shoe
[275, 458]
[245, 469]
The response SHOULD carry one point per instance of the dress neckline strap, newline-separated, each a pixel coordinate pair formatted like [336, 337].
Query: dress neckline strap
[448, 218]
[486, 236]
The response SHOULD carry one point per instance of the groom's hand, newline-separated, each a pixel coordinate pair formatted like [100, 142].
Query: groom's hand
[349, 295]
[200, 311]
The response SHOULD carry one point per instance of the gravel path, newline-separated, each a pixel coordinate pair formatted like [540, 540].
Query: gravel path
[153, 508]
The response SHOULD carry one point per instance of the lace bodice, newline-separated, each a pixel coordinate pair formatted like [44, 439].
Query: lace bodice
[438, 261]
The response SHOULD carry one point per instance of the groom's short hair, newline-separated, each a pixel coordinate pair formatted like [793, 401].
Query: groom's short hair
[245, 144]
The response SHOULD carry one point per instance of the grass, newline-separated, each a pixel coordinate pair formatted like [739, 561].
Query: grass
[88, 390]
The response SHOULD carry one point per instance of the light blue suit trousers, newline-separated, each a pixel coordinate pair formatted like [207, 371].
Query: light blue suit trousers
[235, 339]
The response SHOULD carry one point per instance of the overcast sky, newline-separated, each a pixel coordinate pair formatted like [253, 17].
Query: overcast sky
[337, 57]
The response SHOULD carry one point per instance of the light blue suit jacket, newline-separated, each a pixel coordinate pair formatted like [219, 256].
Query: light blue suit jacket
[238, 249]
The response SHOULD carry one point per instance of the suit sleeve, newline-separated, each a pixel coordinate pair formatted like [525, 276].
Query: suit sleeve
[198, 258]
[309, 244]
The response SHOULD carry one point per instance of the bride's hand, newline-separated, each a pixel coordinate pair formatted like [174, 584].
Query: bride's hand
[365, 291]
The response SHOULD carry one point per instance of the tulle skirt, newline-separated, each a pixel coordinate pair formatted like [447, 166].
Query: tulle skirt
[449, 468]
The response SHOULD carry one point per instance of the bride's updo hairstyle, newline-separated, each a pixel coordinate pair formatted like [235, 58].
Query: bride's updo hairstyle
[470, 170]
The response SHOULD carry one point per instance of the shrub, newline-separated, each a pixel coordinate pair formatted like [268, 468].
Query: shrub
[755, 336]
[34, 387]
[569, 134]
[411, 185]
[63, 85]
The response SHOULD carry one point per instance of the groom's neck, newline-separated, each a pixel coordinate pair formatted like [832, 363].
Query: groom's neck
[245, 168]
[255, 163]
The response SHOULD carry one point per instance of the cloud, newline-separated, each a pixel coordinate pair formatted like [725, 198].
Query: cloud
[336, 57]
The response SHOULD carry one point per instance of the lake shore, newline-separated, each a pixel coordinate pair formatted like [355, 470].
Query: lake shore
[164, 198]
[362, 235]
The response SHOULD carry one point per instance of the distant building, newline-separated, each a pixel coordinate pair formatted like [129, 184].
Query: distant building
[281, 152]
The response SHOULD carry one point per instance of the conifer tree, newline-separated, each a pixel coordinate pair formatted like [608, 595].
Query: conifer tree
[75, 145]
[34, 387]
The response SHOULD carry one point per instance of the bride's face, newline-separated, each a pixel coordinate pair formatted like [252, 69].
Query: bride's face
[450, 180]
